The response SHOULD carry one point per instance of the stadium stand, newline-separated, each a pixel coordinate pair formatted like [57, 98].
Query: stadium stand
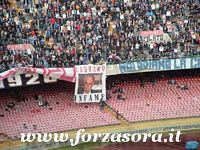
[155, 97]
[61, 114]
[65, 33]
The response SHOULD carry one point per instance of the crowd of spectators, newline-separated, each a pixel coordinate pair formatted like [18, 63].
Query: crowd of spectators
[69, 32]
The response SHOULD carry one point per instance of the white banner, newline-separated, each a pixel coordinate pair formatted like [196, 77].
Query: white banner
[90, 83]
[157, 36]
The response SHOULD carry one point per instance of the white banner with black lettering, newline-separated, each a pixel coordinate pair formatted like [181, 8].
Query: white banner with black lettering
[157, 36]
[90, 83]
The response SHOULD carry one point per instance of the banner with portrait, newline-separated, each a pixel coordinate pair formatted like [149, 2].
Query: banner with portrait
[90, 83]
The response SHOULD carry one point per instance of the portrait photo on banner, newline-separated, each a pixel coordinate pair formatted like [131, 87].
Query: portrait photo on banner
[90, 83]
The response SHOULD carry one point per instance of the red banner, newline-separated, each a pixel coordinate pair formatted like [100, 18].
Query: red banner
[19, 47]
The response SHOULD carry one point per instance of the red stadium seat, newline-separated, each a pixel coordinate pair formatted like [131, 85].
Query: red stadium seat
[66, 115]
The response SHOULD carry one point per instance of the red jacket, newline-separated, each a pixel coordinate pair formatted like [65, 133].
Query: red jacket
[53, 21]
[78, 27]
